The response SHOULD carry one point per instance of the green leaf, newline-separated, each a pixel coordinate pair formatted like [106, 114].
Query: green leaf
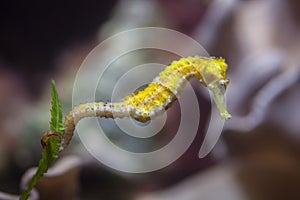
[49, 154]
[56, 124]
[51, 142]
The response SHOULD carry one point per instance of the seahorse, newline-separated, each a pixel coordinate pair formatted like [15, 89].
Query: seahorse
[159, 95]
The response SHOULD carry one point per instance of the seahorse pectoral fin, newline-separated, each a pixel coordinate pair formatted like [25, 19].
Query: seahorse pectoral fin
[218, 89]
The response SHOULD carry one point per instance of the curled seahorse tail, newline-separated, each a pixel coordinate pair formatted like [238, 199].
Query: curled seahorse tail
[69, 126]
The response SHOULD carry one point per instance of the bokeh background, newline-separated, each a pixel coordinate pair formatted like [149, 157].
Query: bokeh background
[257, 156]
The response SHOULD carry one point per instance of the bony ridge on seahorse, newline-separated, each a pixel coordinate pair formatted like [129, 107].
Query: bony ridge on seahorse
[159, 95]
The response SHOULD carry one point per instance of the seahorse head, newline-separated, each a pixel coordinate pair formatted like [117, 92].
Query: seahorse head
[213, 73]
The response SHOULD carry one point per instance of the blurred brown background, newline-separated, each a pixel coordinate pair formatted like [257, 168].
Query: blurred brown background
[258, 154]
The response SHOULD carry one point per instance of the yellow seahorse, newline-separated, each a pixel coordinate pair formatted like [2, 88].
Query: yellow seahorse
[159, 95]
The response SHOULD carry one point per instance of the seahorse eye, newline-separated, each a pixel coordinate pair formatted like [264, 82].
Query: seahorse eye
[224, 83]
